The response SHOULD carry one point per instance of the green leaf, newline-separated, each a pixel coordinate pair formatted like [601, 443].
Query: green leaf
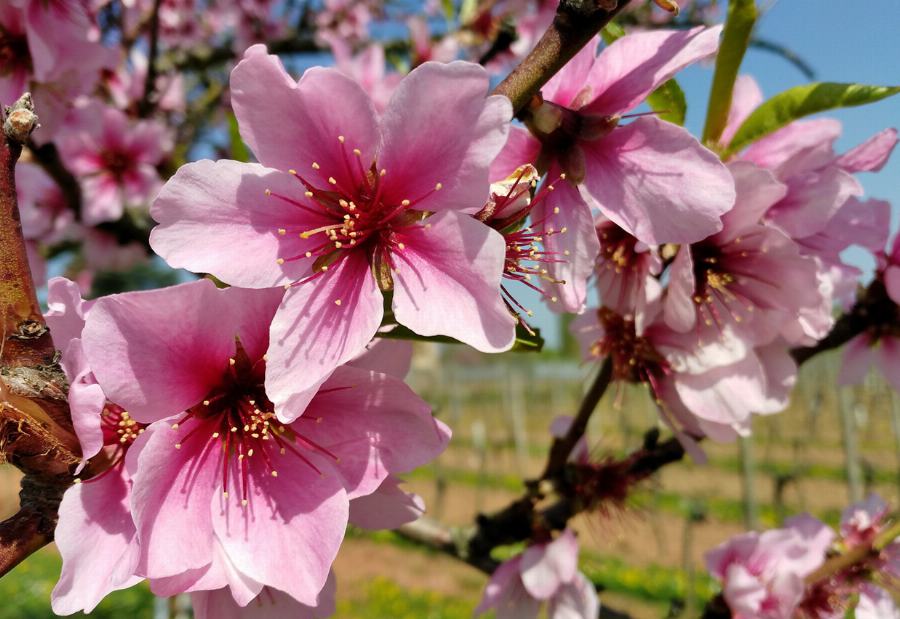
[669, 101]
[742, 16]
[449, 9]
[239, 150]
[800, 101]
[611, 32]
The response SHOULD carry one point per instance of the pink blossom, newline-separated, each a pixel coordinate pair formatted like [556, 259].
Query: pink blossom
[224, 494]
[762, 573]
[340, 212]
[424, 49]
[114, 159]
[46, 216]
[127, 83]
[346, 19]
[702, 386]
[544, 572]
[630, 172]
[749, 276]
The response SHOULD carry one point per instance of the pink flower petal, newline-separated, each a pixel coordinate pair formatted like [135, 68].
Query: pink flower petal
[575, 600]
[892, 282]
[290, 124]
[454, 148]
[391, 357]
[857, 359]
[812, 201]
[159, 352]
[633, 66]
[208, 209]
[447, 282]
[757, 190]
[375, 425]
[745, 98]
[678, 307]
[871, 155]
[97, 540]
[572, 79]
[800, 146]
[887, 355]
[546, 567]
[170, 501]
[270, 604]
[320, 325]
[301, 513]
[655, 180]
[387, 508]
[521, 148]
[506, 595]
[573, 243]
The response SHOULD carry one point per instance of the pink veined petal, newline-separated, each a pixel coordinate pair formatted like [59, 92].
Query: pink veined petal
[572, 80]
[290, 124]
[857, 359]
[757, 190]
[375, 425]
[546, 567]
[573, 246]
[575, 600]
[289, 533]
[447, 282]
[391, 357]
[269, 604]
[812, 200]
[86, 402]
[442, 127]
[814, 539]
[506, 595]
[800, 146]
[65, 311]
[656, 181]
[320, 325]
[96, 538]
[743, 591]
[521, 148]
[633, 66]
[745, 98]
[102, 198]
[678, 307]
[209, 209]
[871, 155]
[387, 508]
[887, 356]
[173, 489]
[221, 572]
[781, 375]
[158, 352]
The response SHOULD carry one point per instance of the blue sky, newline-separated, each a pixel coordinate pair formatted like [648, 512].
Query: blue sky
[842, 44]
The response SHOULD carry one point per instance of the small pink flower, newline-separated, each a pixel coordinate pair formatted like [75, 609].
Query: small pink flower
[114, 159]
[762, 573]
[367, 68]
[341, 213]
[223, 493]
[544, 572]
[748, 276]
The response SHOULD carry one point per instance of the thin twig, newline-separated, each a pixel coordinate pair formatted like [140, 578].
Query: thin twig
[575, 24]
[146, 104]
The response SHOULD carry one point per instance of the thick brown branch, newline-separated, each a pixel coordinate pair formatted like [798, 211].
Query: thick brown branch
[146, 104]
[576, 22]
[35, 427]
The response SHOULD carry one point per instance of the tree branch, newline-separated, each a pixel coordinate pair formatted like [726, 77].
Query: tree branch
[146, 104]
[36, 432]
[575, 23]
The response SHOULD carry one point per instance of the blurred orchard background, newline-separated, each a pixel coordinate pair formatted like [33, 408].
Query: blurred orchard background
[829, 448]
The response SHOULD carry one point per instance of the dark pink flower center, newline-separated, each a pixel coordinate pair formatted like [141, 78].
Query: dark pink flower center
[238, 419]
[634, 358]
[14, 53]
[356, 217]
[117, 163]
[120, 431]
[718, 279]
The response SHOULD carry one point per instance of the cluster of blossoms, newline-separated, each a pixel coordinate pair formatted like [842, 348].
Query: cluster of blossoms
[773, 575]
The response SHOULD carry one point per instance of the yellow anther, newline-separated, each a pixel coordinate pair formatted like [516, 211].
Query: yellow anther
[337, 301]
[292, 171]
[315, 166]
[282, 231]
